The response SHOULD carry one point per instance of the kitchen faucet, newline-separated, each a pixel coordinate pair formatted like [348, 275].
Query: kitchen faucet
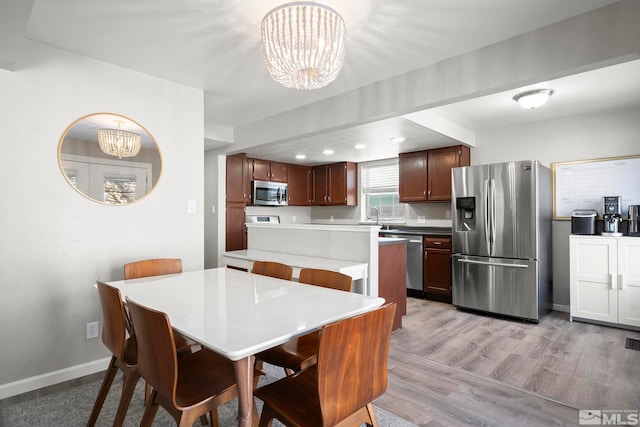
[377, 215]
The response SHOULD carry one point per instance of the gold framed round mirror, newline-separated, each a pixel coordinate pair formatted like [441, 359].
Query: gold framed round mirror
[110, 158]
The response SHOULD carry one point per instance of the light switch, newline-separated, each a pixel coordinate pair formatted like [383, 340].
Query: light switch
[191, 206]
[213, 209]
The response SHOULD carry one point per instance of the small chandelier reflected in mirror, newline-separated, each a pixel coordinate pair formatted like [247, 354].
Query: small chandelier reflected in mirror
[303, 44]
[118, 142]
[533, 98]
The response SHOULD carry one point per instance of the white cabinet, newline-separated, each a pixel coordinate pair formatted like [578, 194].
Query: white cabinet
[605, 279]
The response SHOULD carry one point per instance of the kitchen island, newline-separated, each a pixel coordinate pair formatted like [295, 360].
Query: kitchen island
[353, 248]
[244, 259]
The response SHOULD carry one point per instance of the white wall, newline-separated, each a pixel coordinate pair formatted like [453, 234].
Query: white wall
[610, 134]
[54, 243]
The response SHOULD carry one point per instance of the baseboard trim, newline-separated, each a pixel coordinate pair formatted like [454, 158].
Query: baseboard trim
[50, 378]
[560, 307]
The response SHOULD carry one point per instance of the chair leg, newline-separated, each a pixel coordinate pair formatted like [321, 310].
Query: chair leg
[372, 416]
[204, 421]
[104, 390]
[258, 367]
[187, 419]
[150, 411]
[147, 393]
[214, 417]
[267, 416]
[130, 381]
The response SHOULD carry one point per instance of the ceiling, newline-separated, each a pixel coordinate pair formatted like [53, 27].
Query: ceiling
[214, 45]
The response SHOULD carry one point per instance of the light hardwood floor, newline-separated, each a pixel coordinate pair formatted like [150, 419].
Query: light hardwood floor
[450, 367]
[454, 368]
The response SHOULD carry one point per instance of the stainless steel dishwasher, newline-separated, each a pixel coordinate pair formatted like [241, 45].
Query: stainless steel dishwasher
[415, 261]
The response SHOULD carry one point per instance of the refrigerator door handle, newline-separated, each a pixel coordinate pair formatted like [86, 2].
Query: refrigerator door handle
[493, 212]
[497, 264]
[487, 212]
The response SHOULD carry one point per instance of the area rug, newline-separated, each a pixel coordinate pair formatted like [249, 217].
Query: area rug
[71, 408]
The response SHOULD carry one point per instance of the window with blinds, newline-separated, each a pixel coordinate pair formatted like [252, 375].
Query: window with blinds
[380, 182]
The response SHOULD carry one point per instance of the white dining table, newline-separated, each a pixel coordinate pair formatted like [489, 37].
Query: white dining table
[238, 314]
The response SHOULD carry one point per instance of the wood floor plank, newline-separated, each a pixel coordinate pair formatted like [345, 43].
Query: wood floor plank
[451, 367]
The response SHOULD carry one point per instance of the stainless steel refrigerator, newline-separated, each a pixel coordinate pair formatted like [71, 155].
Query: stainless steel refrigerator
[501, 248]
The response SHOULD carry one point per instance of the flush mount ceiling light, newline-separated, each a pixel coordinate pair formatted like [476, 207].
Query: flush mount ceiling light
[118, 142]
[328, 152]
[303, 44]
[533, 98]
[397, 139]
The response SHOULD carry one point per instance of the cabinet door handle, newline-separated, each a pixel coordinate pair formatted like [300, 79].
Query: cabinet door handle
[437, 243]
[620, 282]
[612, 282]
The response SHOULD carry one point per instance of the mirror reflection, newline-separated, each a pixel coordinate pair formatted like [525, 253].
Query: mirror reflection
[109, 158]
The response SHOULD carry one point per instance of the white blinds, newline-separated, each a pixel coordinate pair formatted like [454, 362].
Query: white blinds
[381, 177]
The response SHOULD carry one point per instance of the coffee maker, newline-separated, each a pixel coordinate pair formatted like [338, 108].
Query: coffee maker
[612, 220]
[634, 216]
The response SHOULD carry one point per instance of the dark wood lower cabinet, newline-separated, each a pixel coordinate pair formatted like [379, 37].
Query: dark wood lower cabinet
[236, 234]
[437, 268]
[392, 268]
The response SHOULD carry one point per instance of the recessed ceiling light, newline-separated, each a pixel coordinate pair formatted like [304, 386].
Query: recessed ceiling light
[360, 146]
[300, 156]
[328, 152]
[398, 139]
[533, 98]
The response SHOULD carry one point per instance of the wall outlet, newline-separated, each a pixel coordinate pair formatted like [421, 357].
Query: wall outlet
[421, 220]
[293, 218]
[92, 330]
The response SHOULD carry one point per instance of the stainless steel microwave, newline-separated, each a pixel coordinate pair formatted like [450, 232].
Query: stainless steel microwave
[266, 193]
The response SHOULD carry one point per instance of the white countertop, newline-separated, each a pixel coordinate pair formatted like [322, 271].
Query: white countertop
[238, 314]
[295, 261]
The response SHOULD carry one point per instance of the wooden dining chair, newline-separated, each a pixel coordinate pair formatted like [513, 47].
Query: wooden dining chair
[152, 267]
[272, 269]
[159, 267]
[187, 387]
[339, 390]
[115, 328]
[301, 352]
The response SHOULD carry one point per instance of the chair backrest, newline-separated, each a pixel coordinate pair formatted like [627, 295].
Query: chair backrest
[157, 357]
[352, 362]
[115, 323]
[152, 267]
[326, 279]
[272, 269]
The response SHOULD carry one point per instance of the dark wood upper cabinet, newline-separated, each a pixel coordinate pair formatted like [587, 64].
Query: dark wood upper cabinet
[265, 170]
[335, 184]
[412, 169]
[319, 182]
[299, 188]
[439, 164]
[425, 176]
[238, 179]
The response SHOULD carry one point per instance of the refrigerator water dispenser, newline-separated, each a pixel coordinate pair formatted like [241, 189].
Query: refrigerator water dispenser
[465, 207]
